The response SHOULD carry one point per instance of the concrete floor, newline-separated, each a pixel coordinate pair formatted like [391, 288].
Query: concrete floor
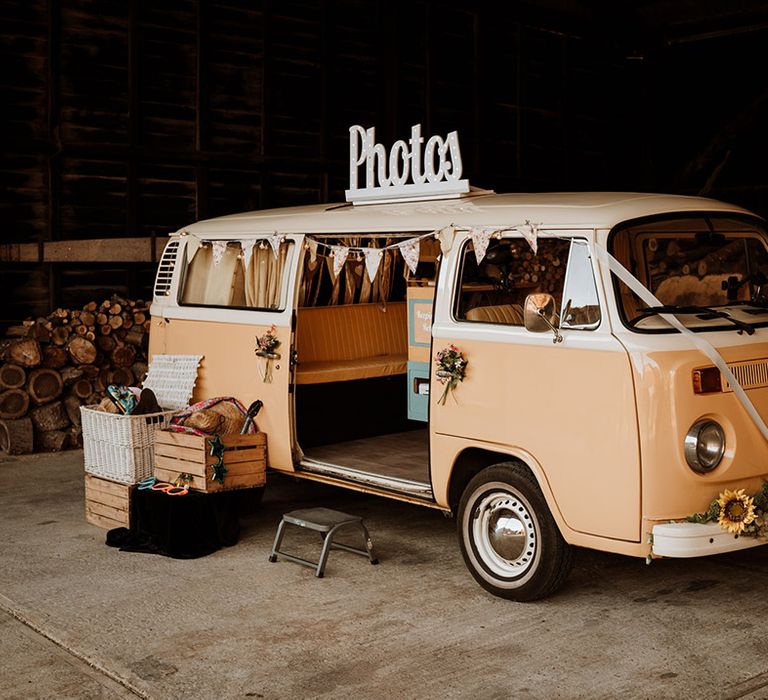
[82, 620]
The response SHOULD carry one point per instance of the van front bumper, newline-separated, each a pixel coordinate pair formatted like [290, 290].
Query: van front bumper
[697, 540]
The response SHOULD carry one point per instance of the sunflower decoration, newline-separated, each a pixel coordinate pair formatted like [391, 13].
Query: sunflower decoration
[737, 510]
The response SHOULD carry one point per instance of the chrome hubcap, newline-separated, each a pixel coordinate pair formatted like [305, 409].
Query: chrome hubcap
[504, 534]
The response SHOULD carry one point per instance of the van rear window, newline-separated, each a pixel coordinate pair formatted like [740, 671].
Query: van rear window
[228, 279]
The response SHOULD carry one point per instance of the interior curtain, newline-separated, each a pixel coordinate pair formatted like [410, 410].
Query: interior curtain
[263, 279]
[211, 284]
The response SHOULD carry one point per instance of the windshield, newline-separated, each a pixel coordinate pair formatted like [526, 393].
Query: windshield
[705, 269]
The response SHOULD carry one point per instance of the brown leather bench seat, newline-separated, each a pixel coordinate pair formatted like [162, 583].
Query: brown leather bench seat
[505, 314]
[355, 341]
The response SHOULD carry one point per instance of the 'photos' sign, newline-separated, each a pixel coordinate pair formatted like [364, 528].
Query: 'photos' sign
[406, 172]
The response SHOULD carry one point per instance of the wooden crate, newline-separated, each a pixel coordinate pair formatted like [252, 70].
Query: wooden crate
[107, 503]
[245, 458]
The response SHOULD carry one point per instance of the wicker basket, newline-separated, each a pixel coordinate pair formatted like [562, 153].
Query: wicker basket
[118, 447]
[122, 448]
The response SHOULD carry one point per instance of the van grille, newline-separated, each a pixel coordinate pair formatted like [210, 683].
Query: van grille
[165, 270]
[751, 375]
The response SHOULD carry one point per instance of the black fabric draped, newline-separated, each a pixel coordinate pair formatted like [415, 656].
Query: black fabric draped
[182, 527]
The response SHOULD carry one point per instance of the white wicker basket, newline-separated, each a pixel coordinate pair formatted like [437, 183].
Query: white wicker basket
[122, 448]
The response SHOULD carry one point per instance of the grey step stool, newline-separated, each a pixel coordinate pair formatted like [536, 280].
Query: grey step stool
[327, 522]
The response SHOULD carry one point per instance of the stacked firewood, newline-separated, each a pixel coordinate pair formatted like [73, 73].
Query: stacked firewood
[51, 366]
[545, 271]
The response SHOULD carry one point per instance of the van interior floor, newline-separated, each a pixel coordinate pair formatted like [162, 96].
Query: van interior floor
[402, 455]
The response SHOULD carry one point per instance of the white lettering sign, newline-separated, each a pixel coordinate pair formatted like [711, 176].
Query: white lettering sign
[435, 174]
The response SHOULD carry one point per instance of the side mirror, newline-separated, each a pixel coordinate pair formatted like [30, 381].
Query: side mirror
[540, 315]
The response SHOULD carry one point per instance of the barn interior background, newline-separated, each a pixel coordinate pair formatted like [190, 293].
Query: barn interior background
[126, 119]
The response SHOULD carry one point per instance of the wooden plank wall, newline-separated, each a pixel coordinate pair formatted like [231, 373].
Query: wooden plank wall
[129, 118]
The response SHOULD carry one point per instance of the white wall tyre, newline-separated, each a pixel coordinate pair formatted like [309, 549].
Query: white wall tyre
[509, 540]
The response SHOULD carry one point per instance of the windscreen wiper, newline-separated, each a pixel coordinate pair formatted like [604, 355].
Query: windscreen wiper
[705, 313]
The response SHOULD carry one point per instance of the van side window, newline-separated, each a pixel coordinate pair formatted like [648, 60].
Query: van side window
[228, 282]
[494, 291]
[581, 309]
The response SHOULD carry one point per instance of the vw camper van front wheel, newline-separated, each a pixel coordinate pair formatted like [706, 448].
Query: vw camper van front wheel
[508, 537]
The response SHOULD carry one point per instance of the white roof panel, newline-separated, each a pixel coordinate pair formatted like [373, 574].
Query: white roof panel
[556, 209]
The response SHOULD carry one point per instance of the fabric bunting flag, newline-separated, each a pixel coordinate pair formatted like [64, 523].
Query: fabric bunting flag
[372, 259]
[193, 245]
[339, 253]
[312, 247]
[275, 240]
[530, 232]
[218, 251]
[410, 251]
[247, 247]
[445, 236]
[480, 239]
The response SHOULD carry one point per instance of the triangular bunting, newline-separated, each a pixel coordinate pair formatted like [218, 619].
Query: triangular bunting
[372, 259]
[218, 251]
[247, 247]
[480, 238]
[410, 251]
[193, 245]
[530, 232]
[275, 240]
[312, 247]
[445, 236]
[339, 254]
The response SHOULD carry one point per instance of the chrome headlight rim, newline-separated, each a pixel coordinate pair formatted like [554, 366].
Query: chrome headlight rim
[692, 443]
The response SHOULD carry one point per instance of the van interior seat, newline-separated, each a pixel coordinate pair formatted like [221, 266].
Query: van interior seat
[508, 314]
[353, 341]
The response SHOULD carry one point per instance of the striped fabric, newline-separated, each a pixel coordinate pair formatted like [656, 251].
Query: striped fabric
[356, 341]
[504, 314]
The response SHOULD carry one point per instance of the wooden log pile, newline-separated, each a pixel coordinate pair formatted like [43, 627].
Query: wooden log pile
[50, 366]
[545, 271]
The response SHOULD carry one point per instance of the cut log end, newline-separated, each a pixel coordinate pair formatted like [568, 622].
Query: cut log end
[123, 356]
[12, 376]
[26, 352]
[82, 350]
[54, 357]
[14, 403]
[16, 436]
[44, 385]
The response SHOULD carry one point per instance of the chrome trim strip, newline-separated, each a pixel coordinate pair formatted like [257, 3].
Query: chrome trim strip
[388, 483]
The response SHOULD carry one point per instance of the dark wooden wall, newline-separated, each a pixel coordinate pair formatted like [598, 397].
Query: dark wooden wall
[126, 118]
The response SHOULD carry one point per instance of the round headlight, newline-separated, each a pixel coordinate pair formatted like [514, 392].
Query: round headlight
[704, 445]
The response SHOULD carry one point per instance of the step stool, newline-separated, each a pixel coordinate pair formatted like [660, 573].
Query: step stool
[327, 522]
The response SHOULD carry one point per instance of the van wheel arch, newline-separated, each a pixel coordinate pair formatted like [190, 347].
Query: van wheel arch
[472, 461]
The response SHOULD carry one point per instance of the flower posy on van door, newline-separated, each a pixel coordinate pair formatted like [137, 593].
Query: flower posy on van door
[266, 348]
[451, 369]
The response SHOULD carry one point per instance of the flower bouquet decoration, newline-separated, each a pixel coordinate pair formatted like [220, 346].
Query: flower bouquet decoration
[266, 347]
[451, 369]
[739, 514]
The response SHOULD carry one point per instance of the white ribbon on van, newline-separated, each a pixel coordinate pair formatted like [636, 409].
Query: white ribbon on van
[702, 344]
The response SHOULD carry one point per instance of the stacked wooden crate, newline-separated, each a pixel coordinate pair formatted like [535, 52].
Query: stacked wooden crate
[107, 503]
[244, 458]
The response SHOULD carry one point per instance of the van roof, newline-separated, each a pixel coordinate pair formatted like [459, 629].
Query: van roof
[555, 209]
